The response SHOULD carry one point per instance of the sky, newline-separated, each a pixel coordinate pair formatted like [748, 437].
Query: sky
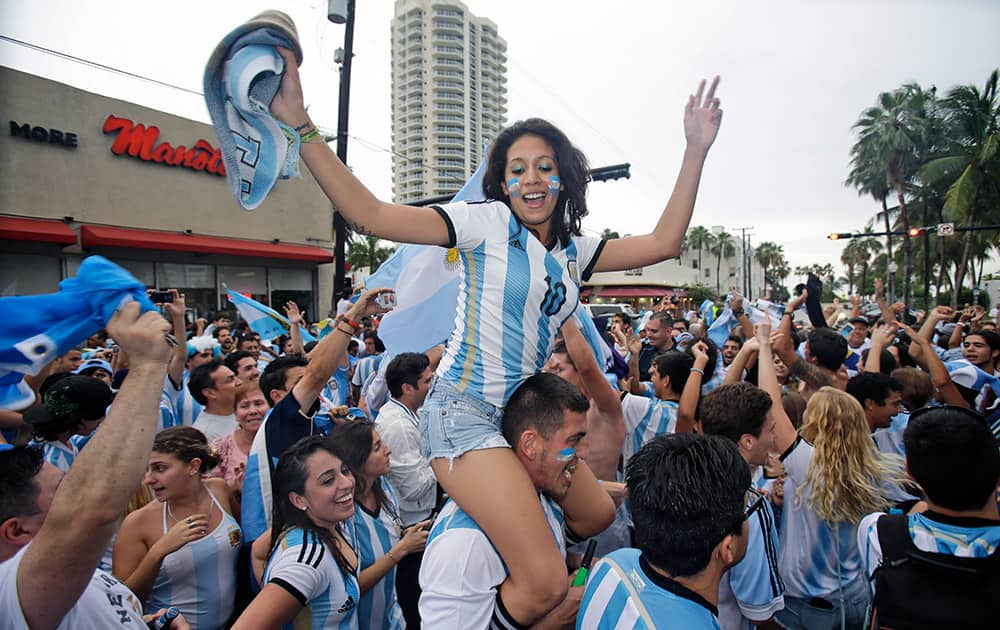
[615, 76]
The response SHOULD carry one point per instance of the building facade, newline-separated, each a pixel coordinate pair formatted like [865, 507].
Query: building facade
[449, 95]
[643, 287]
[83, 174]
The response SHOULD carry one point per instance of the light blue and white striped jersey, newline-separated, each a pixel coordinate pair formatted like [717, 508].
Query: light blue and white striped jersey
[963, 538]
[625, 593]
[513, 298]
[461, 568]
[752, 590]
[364, 368]
[186, 408]
[816, 558]
[200, 577]
[58, 454]
[373, 537]
[645, 418]
[304, 566]
[890, 439]
[283, 425]
[167, 416]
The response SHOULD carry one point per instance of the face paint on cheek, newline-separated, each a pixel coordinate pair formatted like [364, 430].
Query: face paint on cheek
[554, 185]
[514, 187]
[566, 454]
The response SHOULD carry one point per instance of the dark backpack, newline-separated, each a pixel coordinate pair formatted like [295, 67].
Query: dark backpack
[920, 589]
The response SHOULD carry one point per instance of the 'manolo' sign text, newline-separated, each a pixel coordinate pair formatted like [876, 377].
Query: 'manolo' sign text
[140, 141]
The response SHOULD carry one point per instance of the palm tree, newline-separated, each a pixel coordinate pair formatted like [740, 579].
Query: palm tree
[723, 246]
[365, 251]
[867, 246]
[699, 238]
[850, 257]
[971, 166]
[895, 137]
[608, 234]
[768, 254]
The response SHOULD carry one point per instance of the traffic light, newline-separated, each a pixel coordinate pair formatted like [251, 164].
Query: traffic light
[839, 235]
[916, 231]
[605, 173]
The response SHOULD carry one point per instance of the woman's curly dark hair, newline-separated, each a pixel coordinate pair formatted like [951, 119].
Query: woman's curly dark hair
[574, 173]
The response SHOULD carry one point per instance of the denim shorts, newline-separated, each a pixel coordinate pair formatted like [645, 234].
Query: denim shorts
[453, 423]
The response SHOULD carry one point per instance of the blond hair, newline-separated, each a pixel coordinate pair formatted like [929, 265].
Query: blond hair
[847, 475]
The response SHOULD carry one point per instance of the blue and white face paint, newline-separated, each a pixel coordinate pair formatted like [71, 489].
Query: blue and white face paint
[554, 185]
[567, 454]
[514, 187]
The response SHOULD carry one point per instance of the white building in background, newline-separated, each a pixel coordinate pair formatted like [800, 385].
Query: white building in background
[449, 95]
[644, 286]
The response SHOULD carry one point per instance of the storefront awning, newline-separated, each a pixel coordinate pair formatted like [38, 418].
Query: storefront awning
[628, 292]
[22, 229]
[96, 236]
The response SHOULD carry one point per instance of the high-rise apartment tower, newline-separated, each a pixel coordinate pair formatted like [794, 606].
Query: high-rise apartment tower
[449, 95]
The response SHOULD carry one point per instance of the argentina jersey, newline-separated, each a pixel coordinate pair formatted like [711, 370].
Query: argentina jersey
[975, 541]
[373, 537]
[752, 590]
[200, 577]
[461, 569]
[817, 558]
[645, 418]
[303, 566]
[58, 454]
[186, 408]
[514, 297]
[623, 591]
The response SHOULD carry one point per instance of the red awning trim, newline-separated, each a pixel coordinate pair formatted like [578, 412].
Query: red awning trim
[96, 236]
[628, 292]
[42, 230]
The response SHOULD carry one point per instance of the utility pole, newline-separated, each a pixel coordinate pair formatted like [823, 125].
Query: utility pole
[747, 261]
[342, 12]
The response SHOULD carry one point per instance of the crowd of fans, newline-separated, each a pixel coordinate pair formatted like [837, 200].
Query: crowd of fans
[762, 484]
[826, 475]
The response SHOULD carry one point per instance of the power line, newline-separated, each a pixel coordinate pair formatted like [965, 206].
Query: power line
[95, 64]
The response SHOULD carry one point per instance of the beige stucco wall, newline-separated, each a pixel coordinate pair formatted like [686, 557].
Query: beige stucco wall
[92, 185]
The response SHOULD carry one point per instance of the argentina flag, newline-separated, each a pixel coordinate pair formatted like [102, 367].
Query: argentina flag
[263, 320]
[39, 328]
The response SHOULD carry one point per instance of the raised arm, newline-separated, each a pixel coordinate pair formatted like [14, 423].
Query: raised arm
[881, 339]
[767, 379]
[937, 314]
[326, 356]
[702, 118]
[922, 352]
[740, 362]
[295, 319]
[178, 357]
[86, 509]
[606, 428]
[883, 307]
[746, 326]
[360, 208]
[687, 406]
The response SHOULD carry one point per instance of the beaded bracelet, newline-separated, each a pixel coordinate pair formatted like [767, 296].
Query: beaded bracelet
[698, 370]
[310, 136]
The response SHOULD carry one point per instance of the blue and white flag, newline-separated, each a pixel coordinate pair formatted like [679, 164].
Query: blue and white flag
[263, 320]
[426, 280]
[39, 328]
[722, 328]
[707, 310]
[966, 374]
